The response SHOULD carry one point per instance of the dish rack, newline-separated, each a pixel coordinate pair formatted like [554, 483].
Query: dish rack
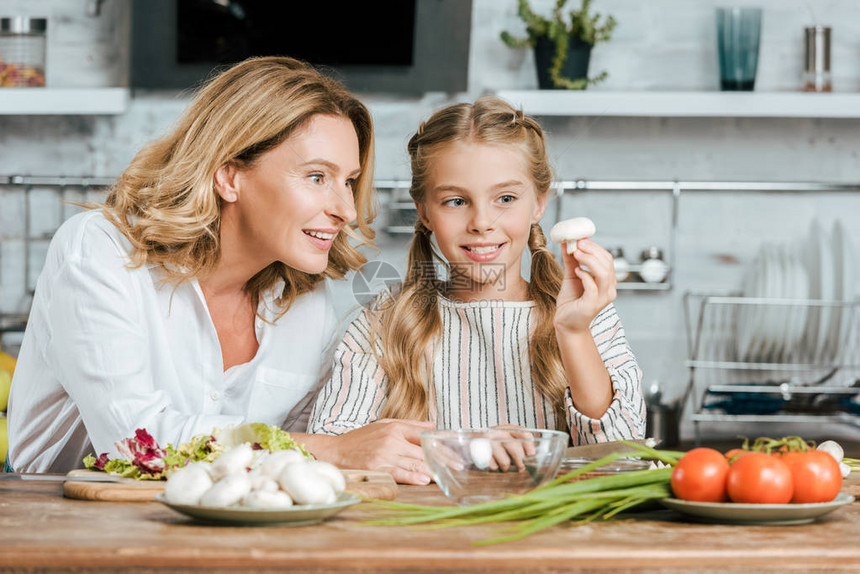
[800, 363]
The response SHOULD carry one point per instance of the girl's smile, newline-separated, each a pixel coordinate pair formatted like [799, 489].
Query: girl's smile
[483, 252]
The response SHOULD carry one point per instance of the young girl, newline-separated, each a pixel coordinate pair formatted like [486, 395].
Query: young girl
[487, 347]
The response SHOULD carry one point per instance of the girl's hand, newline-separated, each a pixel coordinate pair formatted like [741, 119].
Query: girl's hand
[584, 293]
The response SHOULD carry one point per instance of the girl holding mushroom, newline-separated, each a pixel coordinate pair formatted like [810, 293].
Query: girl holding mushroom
[194, 297]
[487, 347]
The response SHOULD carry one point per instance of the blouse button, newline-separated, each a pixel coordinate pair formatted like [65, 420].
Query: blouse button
[214, 395]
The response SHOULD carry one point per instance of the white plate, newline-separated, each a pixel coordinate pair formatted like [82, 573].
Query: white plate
[746, 313]
[775, 335]
[770, 514]
[784, 313]
[298, 515]
[800, 290]
[812, 262]
[843, 257]
[828, 293]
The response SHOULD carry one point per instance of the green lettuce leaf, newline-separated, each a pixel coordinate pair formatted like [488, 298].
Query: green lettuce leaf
[206, 448]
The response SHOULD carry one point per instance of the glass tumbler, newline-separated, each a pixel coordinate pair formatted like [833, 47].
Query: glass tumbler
[738, 32]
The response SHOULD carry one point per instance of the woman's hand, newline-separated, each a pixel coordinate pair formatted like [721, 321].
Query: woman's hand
[387, 445]
[584, 293]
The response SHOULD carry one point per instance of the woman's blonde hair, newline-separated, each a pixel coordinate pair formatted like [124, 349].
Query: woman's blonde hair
[408, 323]
[166, 203]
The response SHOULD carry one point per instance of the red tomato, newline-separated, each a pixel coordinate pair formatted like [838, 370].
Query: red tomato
[735, 454]
[700, 476]
[815, 475]
[759, 478]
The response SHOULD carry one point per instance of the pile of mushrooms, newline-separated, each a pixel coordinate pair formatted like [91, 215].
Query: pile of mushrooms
[241, 477]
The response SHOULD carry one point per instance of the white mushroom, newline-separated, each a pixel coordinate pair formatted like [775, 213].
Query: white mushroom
[267, 500]
[228, 491]
[273, 464]
[482, 452]
[570, 231]
[331, 473]
[235, 460]
[260, 482]
[305, 485]
[187, 485]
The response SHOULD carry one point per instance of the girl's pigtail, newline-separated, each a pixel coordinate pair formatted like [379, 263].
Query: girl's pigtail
[544, 285]
[409, 327]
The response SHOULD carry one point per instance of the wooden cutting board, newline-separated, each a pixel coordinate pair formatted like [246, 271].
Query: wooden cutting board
[364, 483]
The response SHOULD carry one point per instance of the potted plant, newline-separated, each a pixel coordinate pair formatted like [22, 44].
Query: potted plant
[562, 49]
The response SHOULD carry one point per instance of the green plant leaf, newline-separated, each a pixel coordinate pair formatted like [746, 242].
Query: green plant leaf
[579, 25]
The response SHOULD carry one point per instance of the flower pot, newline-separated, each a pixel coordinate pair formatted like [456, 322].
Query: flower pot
[575, 65]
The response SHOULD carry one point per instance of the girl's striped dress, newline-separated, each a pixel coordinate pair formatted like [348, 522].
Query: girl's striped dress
[482, 376]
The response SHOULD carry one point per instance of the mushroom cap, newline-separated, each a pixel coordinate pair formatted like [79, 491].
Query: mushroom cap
[572, 230]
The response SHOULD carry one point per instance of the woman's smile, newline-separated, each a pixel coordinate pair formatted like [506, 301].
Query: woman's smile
[321, 238]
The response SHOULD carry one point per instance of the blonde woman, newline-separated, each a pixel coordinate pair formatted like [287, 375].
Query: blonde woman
[487, 347]
[195, 297]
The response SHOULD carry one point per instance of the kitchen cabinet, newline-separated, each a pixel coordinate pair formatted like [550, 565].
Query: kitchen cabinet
[63, 101]
[685, 104]
[45, 532]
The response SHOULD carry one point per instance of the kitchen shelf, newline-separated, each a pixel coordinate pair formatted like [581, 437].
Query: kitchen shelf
[685, 104]
[63, 101]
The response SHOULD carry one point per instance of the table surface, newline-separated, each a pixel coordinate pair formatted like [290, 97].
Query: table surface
[43, 531]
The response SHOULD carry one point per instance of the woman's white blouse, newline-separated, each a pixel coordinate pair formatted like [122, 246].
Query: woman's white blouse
[109, 349]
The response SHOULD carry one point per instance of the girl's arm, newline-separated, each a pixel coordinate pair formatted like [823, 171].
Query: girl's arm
[348, 407]
[602, 374]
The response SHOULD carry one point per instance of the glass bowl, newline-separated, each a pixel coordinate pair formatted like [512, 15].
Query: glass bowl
[477, 465]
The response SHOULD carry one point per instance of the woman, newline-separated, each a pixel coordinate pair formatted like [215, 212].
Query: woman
[194, 297]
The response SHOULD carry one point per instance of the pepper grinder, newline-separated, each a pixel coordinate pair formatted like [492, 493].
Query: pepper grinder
[653, 269]
[622, 266]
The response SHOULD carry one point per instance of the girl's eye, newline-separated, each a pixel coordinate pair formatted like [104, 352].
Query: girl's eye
[350, 183]
[317, 178]
[507, 199]
[456, 202]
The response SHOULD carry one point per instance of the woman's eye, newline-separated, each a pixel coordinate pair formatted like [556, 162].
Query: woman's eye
[507, 199]
[350, 183]
[317, 178]
[456, 202]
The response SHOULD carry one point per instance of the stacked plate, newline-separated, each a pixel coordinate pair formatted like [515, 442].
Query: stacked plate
[780, 325]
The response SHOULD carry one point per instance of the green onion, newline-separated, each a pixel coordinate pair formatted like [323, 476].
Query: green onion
[559, 501]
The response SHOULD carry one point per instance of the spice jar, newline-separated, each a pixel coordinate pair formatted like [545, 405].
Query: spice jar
[22, 52]
[816, 59]
[622, 266]
[653, 269]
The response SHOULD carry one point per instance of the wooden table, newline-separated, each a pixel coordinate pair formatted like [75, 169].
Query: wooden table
[42, 531]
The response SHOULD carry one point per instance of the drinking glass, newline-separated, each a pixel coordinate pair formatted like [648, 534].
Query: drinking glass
[738, 32]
